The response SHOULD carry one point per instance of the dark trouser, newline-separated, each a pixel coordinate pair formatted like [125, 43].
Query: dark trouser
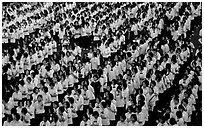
[112, 123]
[85, 108]
[94, 71]
[80, 117]
[120, 111]
[32, 121]
[47, 112]
[38, 119]
[75, 122]
[60, 98]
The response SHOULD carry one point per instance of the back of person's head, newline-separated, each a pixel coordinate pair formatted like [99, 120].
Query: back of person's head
[13, 111]
[24, 110]
[179, 114]
[71, 100]
[172, 121]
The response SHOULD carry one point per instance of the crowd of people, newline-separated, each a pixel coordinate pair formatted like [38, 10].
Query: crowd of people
[101, 64]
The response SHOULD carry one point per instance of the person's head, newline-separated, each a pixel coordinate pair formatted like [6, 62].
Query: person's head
[28, 103]
[39, 98]
[24, 111]
[95, 77]
[179, 114]
[129, 109]
[186, 94]
[172, 121]
[36, 90]
[176, 100]
[71, 100]
[145, 83]
[103, 104]
[44, 119]
[45, 89]
[20, 103]
[95, 114]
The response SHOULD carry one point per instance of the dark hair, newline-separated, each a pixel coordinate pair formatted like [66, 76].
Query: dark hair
[185, 101]
[103, 103]
[71, 100]
[24, 110]
[172, 121]
[61, 109]
[95, 113]
[67, 104]
[35, 88]
[179, 114]
[13, 111]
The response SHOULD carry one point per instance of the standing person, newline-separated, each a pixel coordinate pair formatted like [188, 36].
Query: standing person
[94, 63]
[73, 107]
[112, 110]
[47, 101]
[119, 102]
[39, 110]
[104, 113]
[80, 105]
[96, 85]
[30, 109]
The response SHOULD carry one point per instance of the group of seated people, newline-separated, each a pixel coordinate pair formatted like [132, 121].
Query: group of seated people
[101, 64]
